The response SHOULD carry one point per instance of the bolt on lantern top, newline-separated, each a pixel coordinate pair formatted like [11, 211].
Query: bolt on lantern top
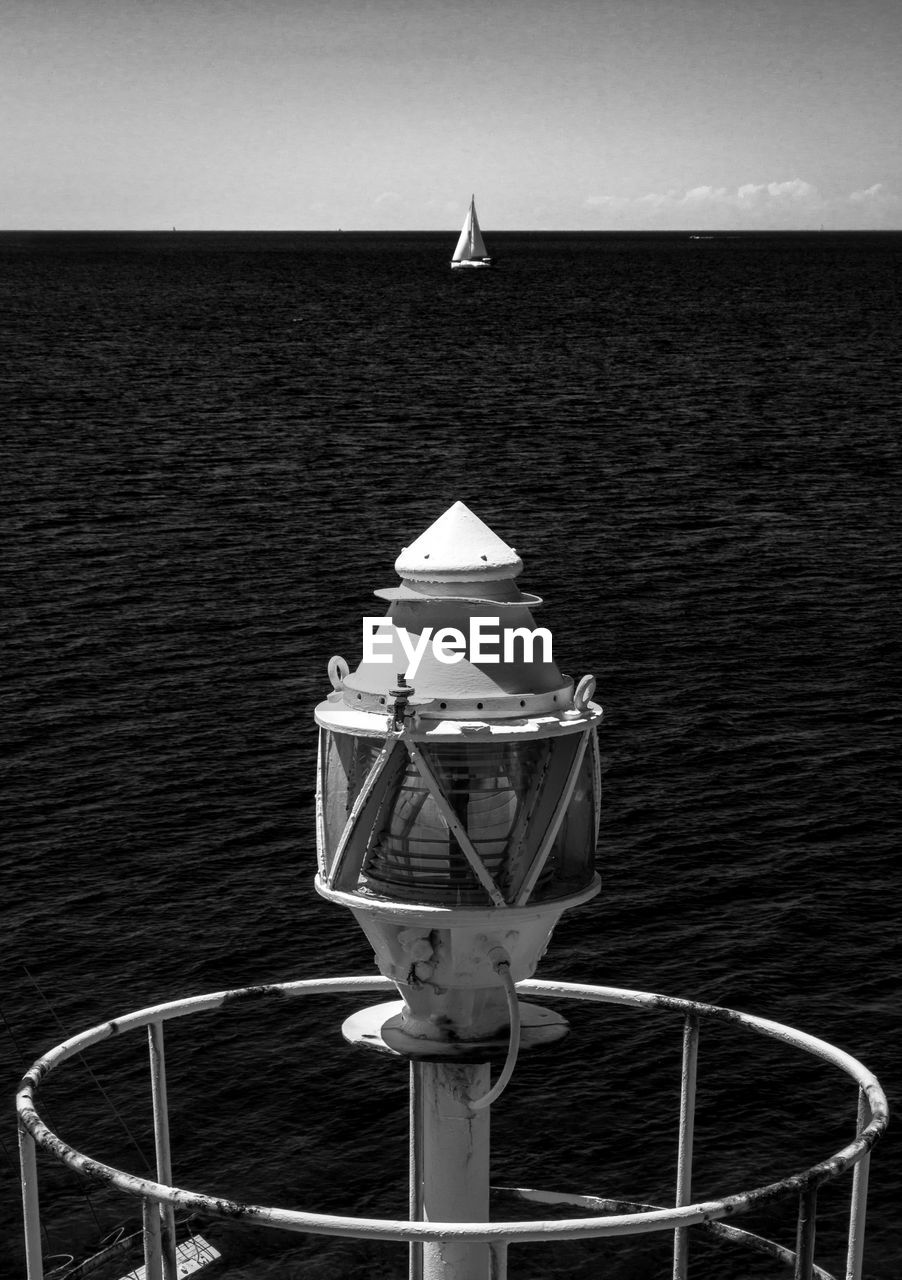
[458, 767]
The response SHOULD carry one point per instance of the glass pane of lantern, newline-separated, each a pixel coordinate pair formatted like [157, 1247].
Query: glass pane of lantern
[346, 762]
[501, 795]
[489, 787]
[571, 863]
[413, 856]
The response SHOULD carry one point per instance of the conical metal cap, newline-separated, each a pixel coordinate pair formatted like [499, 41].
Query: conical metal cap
[457, 572]
[458, 545]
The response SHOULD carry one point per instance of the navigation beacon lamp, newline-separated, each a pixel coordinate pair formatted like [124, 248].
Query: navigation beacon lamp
[458, 800]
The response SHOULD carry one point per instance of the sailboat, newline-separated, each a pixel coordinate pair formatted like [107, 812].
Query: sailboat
[470, 251]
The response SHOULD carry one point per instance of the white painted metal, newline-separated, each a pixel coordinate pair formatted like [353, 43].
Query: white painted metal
[687, 1132]
[454, 993]
[458, 546]
[805, 1235]
[499, 1259]
[153, 1253]
[539, 716]
[320, 813]
[617, 1224]
[383, 1027]
[415, 1181]
[157, 1054]
[596, 770]
[432, 916]
[855, 1257]
[454, 1174]
[31, 1211]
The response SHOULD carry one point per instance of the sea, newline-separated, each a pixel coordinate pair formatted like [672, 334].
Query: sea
[214, 447]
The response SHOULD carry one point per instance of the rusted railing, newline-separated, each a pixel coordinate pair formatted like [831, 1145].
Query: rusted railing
[611, 1218]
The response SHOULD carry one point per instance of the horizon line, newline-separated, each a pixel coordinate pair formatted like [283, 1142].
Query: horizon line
[704, 231]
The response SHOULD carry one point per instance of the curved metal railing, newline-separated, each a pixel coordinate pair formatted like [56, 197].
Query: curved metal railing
[160, 1198]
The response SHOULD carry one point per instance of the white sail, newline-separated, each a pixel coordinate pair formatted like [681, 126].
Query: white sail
[471, 245]
[477, 247]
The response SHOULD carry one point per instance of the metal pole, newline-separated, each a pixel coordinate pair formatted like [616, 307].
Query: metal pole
[855, 1257]
[161, 1142]
[416, 1166]
[687, 1134]
[454, 1173]
[499, 1259]
[804, 1268]
[31, 1210]
[153, 1257]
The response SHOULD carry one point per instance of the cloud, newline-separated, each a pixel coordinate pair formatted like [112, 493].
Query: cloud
[877, 192]
[795, 190]
[791, 203]
[767, 203]
[750, 194]
[705, 195]
[776, 193]
[657, 200]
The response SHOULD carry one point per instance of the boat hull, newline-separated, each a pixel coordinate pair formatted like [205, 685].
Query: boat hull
[472, 262]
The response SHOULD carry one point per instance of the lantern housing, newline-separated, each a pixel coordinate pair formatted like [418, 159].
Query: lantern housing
[457, 809]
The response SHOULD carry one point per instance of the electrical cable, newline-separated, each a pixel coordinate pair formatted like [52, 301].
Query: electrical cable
[503, 969]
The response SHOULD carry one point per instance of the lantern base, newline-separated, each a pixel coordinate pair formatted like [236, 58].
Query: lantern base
[380, 1027]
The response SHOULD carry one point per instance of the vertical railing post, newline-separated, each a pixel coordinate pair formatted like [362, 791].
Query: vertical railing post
[153, 1256]
[687, 1134]
[416, 1166]
[31, 1210]
[498, 1259]
[805, 1231]
[161, 1141]
[855, 1258]
[455, 1165]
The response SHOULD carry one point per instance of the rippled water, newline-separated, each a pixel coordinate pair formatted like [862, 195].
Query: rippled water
[218, 444]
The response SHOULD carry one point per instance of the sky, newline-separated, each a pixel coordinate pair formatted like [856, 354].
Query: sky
[387, 114]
